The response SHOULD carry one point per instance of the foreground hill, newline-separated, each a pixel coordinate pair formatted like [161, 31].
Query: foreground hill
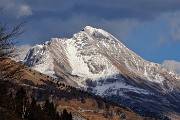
[99, 63]
[83, 105]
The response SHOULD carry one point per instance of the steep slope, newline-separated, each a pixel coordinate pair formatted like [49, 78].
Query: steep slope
[82, 105]
[96, 61]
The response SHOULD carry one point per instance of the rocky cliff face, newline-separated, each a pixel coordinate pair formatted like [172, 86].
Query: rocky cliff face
[96, 61]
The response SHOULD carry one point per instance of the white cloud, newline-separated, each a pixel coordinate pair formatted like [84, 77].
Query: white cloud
[22, 51]
[173, 20]
[162, 40]
[172, 65]
[16, 8]
[24, 10]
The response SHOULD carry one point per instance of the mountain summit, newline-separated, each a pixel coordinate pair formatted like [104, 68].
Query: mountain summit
[96, 61]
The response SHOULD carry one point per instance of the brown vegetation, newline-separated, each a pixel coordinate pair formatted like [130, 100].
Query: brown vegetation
[76, 101]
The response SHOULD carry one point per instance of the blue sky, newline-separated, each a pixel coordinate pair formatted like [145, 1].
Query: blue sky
[151, 28]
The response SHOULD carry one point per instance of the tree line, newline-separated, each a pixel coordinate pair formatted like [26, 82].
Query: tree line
[24, 106]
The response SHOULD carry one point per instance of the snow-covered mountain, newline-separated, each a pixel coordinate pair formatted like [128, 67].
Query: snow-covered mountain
[96, 61]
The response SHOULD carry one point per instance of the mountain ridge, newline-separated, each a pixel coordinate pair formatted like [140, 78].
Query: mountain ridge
[96, 61]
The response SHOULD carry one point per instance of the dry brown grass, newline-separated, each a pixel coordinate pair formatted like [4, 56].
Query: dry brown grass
[174, 116]
[90, 110]
[87, 109]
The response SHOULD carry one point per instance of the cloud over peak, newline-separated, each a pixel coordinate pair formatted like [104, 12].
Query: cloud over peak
[172, 65]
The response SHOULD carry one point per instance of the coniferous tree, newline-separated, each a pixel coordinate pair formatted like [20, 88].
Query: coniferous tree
[21, 102]
[35, 112]
[65, 115]
[50, 109]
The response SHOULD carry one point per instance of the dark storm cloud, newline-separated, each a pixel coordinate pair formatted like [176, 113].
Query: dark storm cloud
[58, 18]
[106, 9]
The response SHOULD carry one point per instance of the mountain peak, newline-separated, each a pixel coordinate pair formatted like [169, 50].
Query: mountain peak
[96, 61]
[88, 27]
[99, 52]
[93, 31]
[90, 30]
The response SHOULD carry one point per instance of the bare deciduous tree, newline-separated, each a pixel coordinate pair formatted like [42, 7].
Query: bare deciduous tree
[7, 49]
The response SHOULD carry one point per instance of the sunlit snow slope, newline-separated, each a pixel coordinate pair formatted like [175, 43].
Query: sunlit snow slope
[96, 61]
